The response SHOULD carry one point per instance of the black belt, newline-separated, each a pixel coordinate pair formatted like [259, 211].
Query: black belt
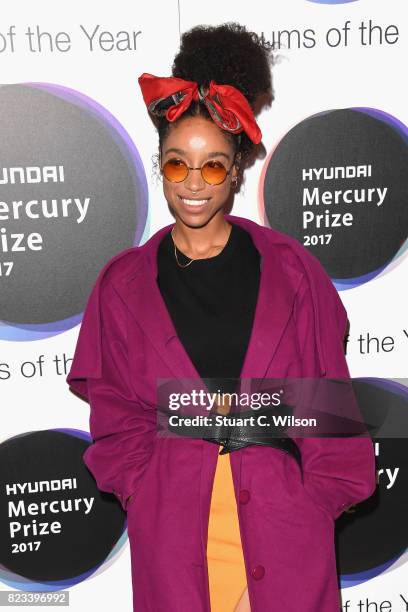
[233, 437]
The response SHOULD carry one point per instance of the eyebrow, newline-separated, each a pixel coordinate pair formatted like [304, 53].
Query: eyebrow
[211, 154]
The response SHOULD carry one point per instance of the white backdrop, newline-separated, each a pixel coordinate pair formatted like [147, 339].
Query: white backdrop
[306, 81]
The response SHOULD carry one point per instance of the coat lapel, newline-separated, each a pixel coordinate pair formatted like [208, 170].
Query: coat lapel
[276, 294]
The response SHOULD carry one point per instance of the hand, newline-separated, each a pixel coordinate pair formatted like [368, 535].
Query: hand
[224, 407]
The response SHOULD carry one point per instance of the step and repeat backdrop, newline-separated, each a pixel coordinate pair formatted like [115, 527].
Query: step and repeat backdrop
[78, 184]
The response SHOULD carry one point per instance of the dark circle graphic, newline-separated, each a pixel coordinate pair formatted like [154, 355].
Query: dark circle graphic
[332, 1]
[338, 183]
[54, 523]
[375, 535]
[73, 194]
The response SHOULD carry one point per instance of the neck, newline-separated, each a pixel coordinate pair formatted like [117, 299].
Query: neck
[196, 242]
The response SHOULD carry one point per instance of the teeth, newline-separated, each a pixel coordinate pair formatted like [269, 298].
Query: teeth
[194, 202]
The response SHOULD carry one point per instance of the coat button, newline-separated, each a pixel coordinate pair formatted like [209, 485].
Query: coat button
[258, 572]
[244, 496]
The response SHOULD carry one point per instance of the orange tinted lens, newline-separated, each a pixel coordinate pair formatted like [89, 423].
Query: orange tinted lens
[175, 170]
[214, 172]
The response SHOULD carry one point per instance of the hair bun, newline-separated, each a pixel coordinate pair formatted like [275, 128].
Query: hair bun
[228, 54]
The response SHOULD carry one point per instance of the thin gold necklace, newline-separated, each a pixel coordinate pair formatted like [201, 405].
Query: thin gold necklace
[175, 252]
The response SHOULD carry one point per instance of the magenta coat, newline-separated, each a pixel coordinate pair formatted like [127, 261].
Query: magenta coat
[127, 340]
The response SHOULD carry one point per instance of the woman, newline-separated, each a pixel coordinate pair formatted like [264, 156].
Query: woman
[216, 295]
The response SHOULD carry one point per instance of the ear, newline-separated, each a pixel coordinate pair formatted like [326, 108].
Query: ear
[237, 162]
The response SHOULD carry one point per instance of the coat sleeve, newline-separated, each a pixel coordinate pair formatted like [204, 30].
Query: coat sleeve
[121, 429]
[339, 471]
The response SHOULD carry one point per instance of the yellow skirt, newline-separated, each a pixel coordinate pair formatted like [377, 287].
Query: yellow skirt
[226, 569]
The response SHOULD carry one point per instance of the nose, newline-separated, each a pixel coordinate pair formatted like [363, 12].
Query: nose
[194, 181]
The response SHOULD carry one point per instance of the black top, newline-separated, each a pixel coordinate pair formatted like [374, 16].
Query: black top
[212, 302]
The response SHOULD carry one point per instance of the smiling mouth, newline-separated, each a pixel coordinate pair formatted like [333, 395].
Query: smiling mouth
[192, 202]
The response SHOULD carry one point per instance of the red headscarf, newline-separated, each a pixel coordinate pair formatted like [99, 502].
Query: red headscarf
[227, 106]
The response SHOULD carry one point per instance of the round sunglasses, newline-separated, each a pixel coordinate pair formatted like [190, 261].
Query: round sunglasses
[213, 172]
